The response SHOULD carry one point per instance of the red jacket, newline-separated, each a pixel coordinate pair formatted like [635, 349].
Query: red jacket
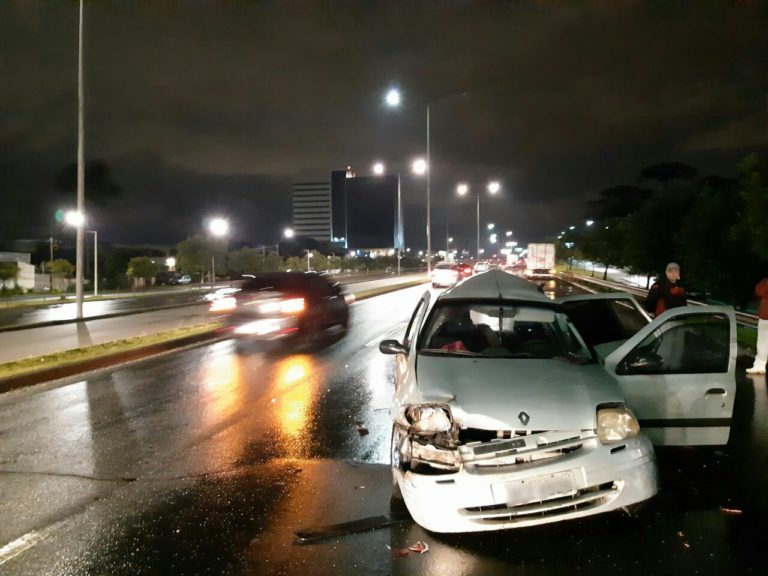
[762, 291]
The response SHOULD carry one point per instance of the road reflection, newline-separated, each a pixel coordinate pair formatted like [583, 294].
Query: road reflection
[295, 382]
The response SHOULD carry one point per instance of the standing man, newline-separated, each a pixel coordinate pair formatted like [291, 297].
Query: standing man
[666, 292]
[762, 329]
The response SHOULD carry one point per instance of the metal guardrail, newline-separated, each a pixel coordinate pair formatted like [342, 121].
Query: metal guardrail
[741, 317]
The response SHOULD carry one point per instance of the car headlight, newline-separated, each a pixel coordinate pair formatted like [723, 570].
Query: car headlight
[616, 424]
[429, 419]
[223, 304]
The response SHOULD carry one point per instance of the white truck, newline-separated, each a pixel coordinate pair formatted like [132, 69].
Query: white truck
[540, 259]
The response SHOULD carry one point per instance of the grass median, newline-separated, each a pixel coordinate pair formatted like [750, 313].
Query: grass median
[67, 357]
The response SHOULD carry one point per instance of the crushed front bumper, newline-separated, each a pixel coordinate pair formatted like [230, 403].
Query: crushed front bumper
[594, 479]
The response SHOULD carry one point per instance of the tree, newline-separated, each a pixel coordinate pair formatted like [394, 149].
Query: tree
[143, 268]
[62, 270]
[618, 202]
[253, 260]
[194, 255]
[8, 271]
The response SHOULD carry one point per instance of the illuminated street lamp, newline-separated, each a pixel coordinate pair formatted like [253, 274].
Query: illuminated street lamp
[378, 168]
[288, 233]
[419, 166]
[171, 263]
[590, 222]
[491, 226]
[493, 188]
[393, 98]
[509, 233]
[218, 228]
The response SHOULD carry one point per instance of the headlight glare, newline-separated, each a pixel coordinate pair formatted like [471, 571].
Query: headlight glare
[616, 424]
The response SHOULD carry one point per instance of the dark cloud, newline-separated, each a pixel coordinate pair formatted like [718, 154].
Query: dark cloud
[201, 106]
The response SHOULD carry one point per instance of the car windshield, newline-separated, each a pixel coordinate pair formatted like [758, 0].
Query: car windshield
[502, 330]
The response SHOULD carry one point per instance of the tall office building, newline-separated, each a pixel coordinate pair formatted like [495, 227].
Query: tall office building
[312, 210]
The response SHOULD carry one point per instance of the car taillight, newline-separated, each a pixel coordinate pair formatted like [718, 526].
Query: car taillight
[223, 304]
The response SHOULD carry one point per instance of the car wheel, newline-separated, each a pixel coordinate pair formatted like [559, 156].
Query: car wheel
[311, 334]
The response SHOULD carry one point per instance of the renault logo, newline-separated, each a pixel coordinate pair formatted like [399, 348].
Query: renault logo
[524, 418]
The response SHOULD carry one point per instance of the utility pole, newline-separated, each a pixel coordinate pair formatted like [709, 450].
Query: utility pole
[80, 172]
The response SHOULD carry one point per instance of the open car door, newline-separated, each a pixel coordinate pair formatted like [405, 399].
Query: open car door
[678, 375]
[605, 321]
[405, 363]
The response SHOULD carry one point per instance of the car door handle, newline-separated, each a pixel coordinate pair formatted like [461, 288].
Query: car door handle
[716, 392]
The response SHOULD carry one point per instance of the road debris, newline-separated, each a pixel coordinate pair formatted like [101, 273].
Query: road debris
[361, 429]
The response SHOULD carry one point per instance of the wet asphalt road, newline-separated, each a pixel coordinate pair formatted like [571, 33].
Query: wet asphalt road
[207, 460]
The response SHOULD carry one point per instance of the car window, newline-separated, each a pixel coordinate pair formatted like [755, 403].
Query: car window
[697, 344]
[501, 331]
[601, 321]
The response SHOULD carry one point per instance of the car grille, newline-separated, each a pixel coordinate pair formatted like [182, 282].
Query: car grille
[495, 451]
[584, 499]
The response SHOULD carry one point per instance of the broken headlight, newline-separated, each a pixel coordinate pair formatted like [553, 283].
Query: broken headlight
[616, 424]
[429, 419]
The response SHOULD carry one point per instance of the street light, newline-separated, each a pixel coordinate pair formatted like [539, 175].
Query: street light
[218, 227]
[419, 166]
[80, 246]
[509, 233]
[493, 188]
[491, 226]
[393, 98]
[378, 168]
[288, 233]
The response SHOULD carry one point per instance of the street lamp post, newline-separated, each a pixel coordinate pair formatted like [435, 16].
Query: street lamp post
[218, 227]
[95, 262]
[80, 247]
[493, 188]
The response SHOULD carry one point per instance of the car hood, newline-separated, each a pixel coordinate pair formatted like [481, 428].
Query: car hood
[492, 393]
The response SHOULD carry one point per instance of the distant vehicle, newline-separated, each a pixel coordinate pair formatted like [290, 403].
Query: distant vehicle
[281, 305]
[540, 273]
[445, 274]
[184, 279]
[165, 278]
[465, 270]
[482, 266]
[511, 410]
[219, 294]
[540, 257]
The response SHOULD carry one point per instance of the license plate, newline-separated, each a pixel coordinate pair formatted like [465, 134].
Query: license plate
[534, 489]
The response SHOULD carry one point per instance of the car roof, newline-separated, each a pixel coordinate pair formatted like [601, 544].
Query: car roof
[497, 284]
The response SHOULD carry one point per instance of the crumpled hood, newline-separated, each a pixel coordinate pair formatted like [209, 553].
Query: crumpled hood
[490, 393]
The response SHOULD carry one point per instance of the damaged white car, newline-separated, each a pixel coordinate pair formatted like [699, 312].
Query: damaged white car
[505, 416]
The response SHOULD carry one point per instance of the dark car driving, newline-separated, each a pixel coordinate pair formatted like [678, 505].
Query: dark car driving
[280, 305]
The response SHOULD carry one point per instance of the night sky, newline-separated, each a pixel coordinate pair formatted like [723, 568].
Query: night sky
[202, 108]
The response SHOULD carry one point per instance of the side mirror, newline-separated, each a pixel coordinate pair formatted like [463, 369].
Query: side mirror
[392, 347]
[648, 363]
